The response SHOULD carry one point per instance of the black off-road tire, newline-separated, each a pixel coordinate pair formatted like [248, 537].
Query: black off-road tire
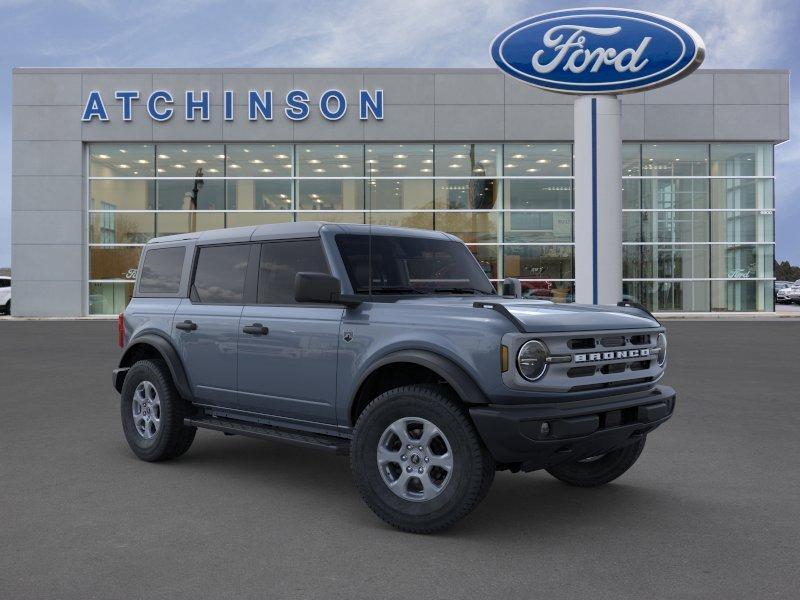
[473, 467]
[173, 438]
[599, 471]
[7, 308]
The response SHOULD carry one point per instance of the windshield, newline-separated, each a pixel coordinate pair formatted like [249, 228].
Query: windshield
[411, 265]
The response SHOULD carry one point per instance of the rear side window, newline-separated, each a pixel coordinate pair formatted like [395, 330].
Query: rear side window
[161, 272]
[280, 262]
[4, 283]
[220, 274]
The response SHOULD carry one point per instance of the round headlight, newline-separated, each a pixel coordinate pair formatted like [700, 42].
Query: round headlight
[661, 344]
[532, 360]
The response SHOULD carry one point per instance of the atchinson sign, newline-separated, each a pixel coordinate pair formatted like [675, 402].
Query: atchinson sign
[160, 105]
[598, 50]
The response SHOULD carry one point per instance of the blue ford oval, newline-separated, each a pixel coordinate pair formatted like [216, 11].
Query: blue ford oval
[598, 50]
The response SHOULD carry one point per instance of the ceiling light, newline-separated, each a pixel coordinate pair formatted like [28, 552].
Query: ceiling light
[563, 166]
[281, 156]
[123, 150]
[163, 156]
[371, 161]
[459, 156]
[517, 156]
[454, 166]
[532, 170]
[319, 170]
[340, 156]
[213, 170]
[399, 166]
[184, 150]
[425, 170]
[485, 161]
[266, 170]
[234, 166]
[542, 161]
[427, 161]
[199, 161]
[257, 161]
[103, 156]
[344, 166]
[510, 166]
[245, 150]
[287, 166]
[217, 156]
[400, 156]
[161, 170]
[179, 166]
[282, 196]
[313, 161]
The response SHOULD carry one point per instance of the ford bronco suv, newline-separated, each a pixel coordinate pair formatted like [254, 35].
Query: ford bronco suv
[390, 345]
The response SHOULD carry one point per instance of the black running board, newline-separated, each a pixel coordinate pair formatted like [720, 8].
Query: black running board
[320, 441]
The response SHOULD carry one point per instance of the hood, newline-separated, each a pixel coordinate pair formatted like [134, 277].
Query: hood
[538, 316]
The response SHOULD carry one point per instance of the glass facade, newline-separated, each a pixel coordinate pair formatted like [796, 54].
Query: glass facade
[698, 226]
[698, 218]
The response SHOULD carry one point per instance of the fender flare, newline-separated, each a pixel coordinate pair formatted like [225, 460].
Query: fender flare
[167, 351]
[461, 382]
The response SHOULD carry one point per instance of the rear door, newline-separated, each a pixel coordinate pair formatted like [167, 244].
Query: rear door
[207, 323]
[288, 351]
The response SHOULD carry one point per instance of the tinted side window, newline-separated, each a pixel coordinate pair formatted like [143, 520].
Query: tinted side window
[161, 272]
[4, 283]
[220, 274]
[280, 262]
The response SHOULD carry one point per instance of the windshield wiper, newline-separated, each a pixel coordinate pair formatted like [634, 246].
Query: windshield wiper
[389, 289]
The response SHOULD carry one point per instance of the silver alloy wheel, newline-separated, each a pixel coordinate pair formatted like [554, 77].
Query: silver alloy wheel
[415, 459]
[146, 409]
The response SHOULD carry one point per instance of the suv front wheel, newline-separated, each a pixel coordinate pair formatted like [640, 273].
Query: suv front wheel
[152, 413]
[417, 460]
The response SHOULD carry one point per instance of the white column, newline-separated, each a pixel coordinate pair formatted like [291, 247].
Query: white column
[598, 200]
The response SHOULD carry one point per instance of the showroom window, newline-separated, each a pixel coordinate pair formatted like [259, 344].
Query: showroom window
[511, 203]
[698, 226]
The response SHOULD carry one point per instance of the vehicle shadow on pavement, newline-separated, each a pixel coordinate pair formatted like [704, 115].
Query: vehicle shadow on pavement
[517, 504]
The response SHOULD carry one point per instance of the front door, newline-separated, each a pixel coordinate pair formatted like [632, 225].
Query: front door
[207, 323]
[288, 352]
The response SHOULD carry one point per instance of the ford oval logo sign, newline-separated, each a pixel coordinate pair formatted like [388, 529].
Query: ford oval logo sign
[598, 50]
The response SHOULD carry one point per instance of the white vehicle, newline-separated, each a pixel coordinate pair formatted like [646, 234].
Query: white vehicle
[790, 294]
[5, 294]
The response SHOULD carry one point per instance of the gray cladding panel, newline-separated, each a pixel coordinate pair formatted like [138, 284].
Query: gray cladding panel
[37, 89]
[46, 123]
[46, 158]
[51, 262]
[47, 193]
[35, 298]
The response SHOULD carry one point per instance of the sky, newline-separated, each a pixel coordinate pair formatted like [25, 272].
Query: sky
[405, 33]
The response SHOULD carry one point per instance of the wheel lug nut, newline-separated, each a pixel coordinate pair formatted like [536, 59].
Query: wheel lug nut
[403, 457]
[427, 459]
[420, 447]
[409, 447]
[420, 470]
[409, 469]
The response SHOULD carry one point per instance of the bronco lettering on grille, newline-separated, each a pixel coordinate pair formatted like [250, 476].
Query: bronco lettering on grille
[616, 355]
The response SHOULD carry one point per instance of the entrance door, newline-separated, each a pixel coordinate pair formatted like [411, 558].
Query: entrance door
[288, 351]
[207, 323]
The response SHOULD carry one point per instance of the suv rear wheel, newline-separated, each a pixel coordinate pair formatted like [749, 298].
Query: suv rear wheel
[417, 460]
[152, 413]
[599, 470]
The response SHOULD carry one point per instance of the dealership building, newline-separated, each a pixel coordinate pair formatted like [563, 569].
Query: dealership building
[105, 159]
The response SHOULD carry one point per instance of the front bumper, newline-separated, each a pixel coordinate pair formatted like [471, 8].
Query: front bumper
[539, 436]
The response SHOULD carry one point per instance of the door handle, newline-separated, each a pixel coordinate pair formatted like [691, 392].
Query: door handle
[187, 325]
[255, 329]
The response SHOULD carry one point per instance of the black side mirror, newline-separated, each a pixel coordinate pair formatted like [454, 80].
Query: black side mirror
[321, 288]
[512, 287]
[316, 287]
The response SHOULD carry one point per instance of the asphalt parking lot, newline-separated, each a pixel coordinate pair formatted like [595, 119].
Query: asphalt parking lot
[711, 510]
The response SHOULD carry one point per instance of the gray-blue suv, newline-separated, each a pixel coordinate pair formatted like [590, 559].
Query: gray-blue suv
[390, 345]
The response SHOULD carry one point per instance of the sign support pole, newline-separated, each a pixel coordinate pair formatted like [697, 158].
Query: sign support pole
[598, 200]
